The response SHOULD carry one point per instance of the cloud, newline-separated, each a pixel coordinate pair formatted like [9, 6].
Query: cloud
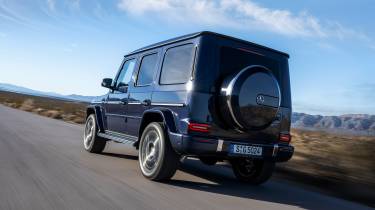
[239, 14]
[7, 13]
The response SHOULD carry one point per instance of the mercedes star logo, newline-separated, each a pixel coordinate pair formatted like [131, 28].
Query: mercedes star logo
[260, 99]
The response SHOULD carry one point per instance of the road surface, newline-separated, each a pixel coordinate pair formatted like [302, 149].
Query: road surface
[43, 166]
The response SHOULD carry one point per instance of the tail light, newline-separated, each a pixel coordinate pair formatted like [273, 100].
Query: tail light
[286, 138]
[198, 127]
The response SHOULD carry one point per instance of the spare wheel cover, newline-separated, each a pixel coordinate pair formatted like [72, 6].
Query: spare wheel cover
[253, 98]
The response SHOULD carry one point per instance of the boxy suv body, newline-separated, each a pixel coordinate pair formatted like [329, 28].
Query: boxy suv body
[204, 95]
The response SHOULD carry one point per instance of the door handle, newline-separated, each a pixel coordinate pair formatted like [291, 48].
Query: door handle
[146, 102]
[124, 102]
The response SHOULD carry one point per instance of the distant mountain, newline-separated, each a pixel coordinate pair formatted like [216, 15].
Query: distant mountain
[81, 98]
[28, 91]
[351, 123]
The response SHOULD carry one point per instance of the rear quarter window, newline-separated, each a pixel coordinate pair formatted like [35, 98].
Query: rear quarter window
[177, 65]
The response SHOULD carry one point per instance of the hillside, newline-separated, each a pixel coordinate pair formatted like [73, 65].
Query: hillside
[350, 123]
[28, 91]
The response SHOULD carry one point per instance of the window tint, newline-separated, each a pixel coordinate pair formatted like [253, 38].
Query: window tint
[234, 60]
[177, 65]
[126, 73]
[146, 70]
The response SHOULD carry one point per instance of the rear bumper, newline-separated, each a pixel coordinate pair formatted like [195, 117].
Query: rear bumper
[198, 146]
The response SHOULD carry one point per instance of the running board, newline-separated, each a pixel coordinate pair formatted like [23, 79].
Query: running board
[120, 138]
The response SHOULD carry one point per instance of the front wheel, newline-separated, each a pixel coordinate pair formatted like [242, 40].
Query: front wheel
[91, 141]
[252, 171]
[157, 159]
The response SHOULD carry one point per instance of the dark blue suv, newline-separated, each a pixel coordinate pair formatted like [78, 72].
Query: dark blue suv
[203, 95]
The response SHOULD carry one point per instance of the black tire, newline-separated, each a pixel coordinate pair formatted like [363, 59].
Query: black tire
[91, 141]
[157, 159]
[253, 171]
[208, 160]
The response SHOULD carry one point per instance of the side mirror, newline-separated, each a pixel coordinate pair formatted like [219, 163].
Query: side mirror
[107, 83]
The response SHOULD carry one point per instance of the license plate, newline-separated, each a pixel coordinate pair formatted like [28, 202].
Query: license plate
[246, 150]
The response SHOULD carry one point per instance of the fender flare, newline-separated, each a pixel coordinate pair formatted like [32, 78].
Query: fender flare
[169, 121]
[167, 116]
[98, 114]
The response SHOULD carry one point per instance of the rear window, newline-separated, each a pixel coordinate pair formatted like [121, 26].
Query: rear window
[233, 60]
[177, 65]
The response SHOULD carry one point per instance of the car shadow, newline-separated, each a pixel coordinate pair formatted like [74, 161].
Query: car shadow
[219, 179]
[222, 181]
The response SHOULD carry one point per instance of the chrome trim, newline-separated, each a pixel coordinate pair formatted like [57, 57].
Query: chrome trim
[167, 104]
[116, 115]
[220, 145]
[114, 102]
[135, 117]
[275, 150]
[134, 103]
[123, 115]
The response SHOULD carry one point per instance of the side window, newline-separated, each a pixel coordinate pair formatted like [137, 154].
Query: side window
[126, 73]
[177, 65]
[146, 70]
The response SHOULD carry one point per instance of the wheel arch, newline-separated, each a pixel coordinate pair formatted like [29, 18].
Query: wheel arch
[157, 115]
[98, 114]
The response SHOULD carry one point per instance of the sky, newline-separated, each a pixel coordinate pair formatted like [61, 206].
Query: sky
[68, 46]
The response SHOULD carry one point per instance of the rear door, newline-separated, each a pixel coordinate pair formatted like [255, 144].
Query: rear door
[140, 91]
[116, 106]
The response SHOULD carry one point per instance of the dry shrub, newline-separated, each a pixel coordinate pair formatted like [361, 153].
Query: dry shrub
[54, 108]
[78, 120]
[75, 118]
[27, 105]
[13, 105]
[53, 114]
[38, 110]
[334, 156]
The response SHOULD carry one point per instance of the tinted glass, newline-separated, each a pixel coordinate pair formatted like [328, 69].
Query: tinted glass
[126, 73]
[177, 65]
[146, 70]
[234, 60]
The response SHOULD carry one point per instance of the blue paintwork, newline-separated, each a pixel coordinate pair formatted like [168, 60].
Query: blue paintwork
[195, 102]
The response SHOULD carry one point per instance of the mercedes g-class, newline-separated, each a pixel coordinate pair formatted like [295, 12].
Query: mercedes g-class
[203, 95]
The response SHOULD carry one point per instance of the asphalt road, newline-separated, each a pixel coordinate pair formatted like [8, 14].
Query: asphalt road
[43, 166]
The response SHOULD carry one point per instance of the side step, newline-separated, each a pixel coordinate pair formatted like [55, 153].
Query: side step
[118, 137]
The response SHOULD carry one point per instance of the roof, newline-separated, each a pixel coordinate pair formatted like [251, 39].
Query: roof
[197, 34]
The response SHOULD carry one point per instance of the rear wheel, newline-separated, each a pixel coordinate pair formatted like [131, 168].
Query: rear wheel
[91, 141]
[157, 159]
[252, 171]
